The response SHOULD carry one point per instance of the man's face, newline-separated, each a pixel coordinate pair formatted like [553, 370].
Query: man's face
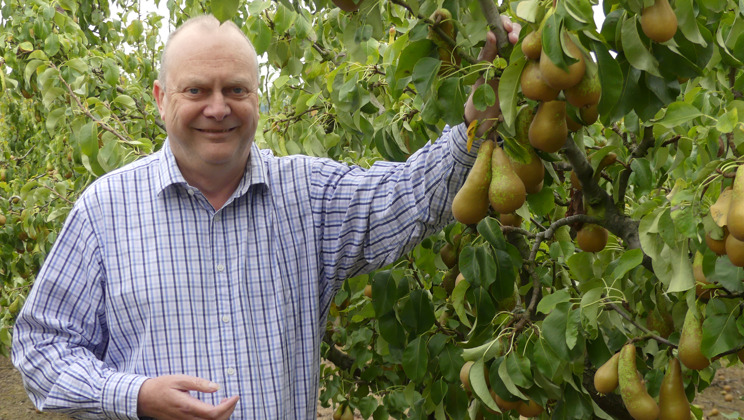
[210, 101]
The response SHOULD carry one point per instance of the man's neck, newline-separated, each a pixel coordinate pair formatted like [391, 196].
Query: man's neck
[218, 185]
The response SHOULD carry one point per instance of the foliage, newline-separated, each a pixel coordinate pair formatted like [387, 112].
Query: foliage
[535, 314]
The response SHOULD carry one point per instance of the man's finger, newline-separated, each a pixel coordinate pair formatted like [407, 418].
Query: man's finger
[226, 408]
[489, 51]
[193, 383]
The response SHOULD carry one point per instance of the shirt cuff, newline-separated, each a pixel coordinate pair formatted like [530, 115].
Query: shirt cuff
[119, 397]
[459, 145]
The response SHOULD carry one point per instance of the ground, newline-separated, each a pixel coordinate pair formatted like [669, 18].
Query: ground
[15, 405]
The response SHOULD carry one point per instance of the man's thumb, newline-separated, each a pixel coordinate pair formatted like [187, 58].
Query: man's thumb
[490, 50]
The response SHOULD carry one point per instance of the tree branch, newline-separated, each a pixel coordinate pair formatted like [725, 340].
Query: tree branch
[611, 218]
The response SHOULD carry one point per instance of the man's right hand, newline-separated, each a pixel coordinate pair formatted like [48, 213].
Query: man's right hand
[168, 397]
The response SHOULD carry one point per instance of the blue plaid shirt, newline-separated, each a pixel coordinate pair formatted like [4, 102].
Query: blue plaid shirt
[147, 279]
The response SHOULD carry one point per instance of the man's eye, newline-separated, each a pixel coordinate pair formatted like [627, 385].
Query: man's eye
[238, 91]
[194, 91]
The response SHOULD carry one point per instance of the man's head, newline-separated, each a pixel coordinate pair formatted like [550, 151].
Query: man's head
[207, 95]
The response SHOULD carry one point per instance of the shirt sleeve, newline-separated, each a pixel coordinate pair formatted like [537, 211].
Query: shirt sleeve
[60, 335]
[369, 217]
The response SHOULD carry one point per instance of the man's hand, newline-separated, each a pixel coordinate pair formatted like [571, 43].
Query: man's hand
[168, 397]
[488, 53]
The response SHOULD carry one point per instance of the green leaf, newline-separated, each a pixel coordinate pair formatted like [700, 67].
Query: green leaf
[411, 55]
[125, 101]
[391, 330]
[628, 261]
[415, 359]
[554, 330]
[728, 121]
[490, 229]
[542, 202]
[728, 275]
[636, 52]
[479, 385]
[384, 292]
[580, 264]
[484, 97]
[687, 24]
[478, 265]
[548, 302]
[417, 314]
[260, 36]
[720, 333]
[424, 75]
[450, 361]
[519, 369]
[509, 87]
[679, 113]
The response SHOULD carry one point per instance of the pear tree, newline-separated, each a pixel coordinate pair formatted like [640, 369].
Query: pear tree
[623, 245]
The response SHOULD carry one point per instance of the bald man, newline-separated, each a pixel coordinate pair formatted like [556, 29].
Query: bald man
[194, 283]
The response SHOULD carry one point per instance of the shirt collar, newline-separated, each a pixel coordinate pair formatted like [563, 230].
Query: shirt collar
[170, 174]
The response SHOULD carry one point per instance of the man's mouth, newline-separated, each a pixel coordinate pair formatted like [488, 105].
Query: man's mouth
[215, 131]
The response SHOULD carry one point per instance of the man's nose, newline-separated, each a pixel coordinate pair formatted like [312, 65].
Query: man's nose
[217, 108]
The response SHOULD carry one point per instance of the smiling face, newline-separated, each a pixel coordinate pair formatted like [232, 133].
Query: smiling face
[209, 99]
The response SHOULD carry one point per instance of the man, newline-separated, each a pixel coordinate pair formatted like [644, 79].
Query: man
[194, 283]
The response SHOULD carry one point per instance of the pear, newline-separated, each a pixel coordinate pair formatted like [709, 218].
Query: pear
[572, 124]
[506, 192]
[673, 403]
[589, 114]
[637, 401]
[659, 22]
[690, 341]
[735, 219]
[465, 375]
[700, 280]
[735, 250]
[470, 204]
[587, 91]
[718, 246]
[348, 5]
[531, 172]
[529, 409]
[503, 404]
[532, 45]
[548, 130]
[557, 77]
[442, 18]
[605, 378]
[510, 219]
[533, 84]
[592, 238]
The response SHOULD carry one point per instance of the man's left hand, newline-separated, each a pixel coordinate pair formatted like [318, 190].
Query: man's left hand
[488, 53]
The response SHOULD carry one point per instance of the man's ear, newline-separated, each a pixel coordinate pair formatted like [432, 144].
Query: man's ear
[159, 93]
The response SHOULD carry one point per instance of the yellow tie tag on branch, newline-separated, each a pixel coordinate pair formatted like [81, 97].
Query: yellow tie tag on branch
[472, 128]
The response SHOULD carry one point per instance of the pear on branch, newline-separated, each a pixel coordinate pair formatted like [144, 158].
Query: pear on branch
[470, 204]
[506, 191]
[442, 20]
[658, 21]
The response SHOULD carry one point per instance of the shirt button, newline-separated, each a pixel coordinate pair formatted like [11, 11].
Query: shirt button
[231, 371]
[220, 268]
[191, 192]
[225, 319]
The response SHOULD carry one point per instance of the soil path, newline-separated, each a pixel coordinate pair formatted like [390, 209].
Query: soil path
[728, 384]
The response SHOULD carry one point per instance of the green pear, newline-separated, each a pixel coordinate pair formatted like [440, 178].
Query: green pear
[735, 219]
[506, 192]
[548, 130]
[673, 403]
[640, 405]
[690, 342]
[659, 22]
[470, 204]
[560, 78]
